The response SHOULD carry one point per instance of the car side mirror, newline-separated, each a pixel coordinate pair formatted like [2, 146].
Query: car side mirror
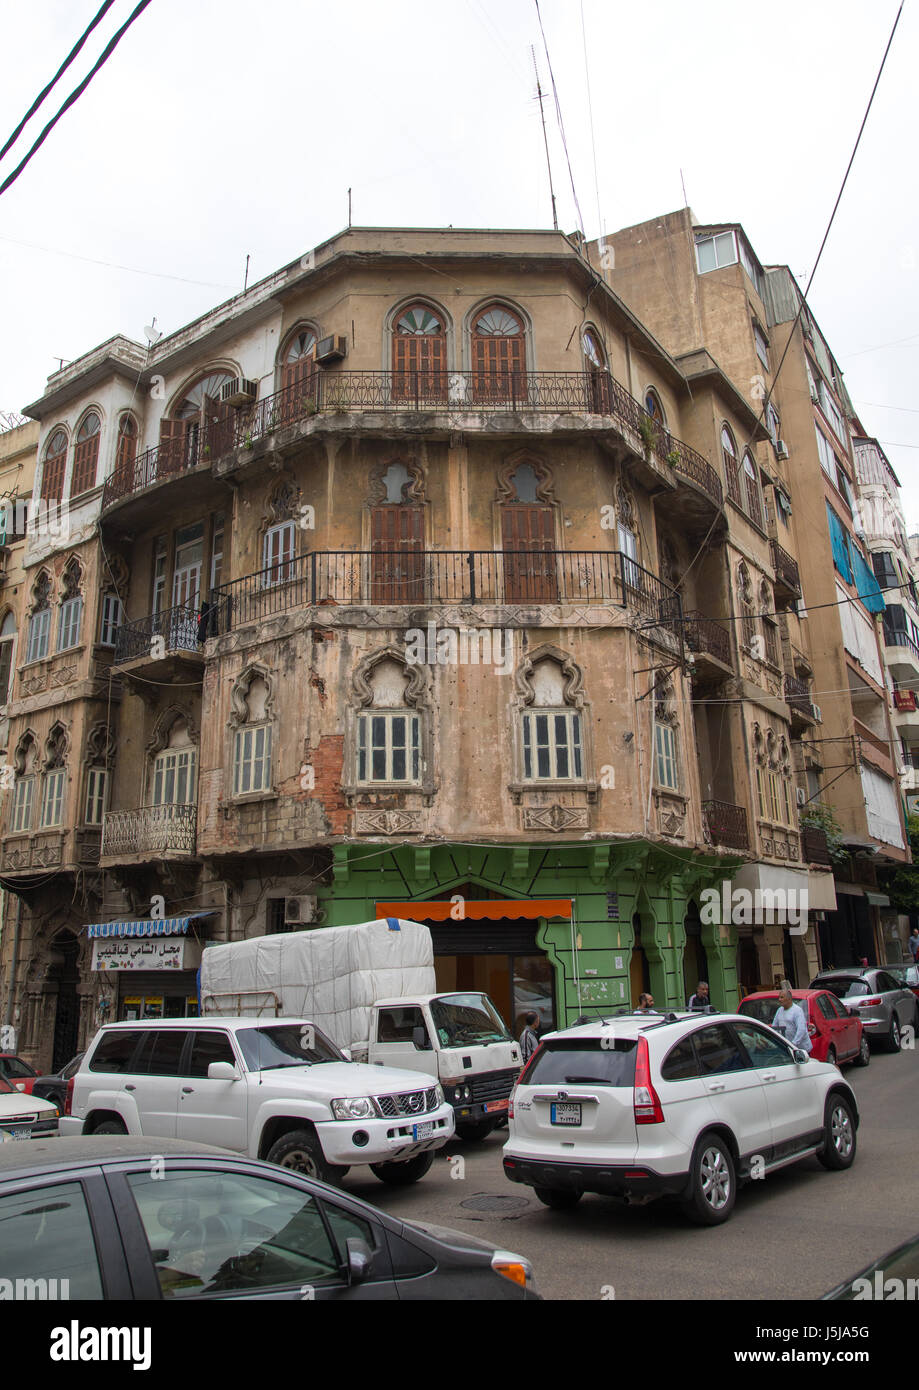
[360, 1259]
[420, 1039]
[346, 1053]
[801, 1056]
[222, 1071]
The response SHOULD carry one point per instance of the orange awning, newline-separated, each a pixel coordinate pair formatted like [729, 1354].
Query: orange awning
[483, 910]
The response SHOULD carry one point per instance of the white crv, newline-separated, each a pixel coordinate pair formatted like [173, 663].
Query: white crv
[276, 1089]
[687, 1105]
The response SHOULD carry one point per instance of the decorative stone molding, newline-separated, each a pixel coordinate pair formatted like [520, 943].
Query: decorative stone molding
[556, 818]
[671, 814]
[283, 502]
[523, 678]
[163, 726]
[417, 683]
[413, 491]
[545, 484]
[239, 695]
[387, 822]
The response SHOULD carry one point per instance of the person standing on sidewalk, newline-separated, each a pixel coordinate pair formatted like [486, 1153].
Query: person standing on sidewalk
[913, 944]
[790, 1020]
[529, 1038]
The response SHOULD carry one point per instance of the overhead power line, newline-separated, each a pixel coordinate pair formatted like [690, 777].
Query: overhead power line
[76, 93]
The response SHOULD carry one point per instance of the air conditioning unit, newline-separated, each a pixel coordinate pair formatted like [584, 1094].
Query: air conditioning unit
[781, 449]
[299, 911]
[239, 391]
[331, 349]
[801, 796]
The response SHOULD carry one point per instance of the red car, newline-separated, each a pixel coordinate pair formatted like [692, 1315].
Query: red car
[836, 1035]
[17, 1072]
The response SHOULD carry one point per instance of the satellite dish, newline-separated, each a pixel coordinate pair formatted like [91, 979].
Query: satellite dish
[152, 334]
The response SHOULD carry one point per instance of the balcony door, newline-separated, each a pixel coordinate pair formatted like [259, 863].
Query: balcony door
[498, 357]
[397, 553]
[186, 585]
[528, 543]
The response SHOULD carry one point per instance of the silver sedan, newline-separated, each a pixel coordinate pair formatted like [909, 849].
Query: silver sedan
[884, 1006]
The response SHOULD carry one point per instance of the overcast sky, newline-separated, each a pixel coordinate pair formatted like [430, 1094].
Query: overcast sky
[220, 128]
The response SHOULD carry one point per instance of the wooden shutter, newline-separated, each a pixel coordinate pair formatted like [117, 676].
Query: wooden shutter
[528, 542]
[52, 479]
[397, 543]
[85, 457]
[299, 386]
[499, 368]
[419, 367]
[172, 449]
[219, 431]
[127, 450]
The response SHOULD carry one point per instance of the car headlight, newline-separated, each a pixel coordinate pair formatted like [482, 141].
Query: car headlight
[439, 1094]
[354, 1108]
[52, 1115]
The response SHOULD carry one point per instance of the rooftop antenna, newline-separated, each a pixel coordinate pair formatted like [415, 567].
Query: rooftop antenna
[349, 207]
[246, 277]
[542, 115]
[152, 334]
[683, 182]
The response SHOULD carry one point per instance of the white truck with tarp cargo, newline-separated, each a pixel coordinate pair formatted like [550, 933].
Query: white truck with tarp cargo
[371, 988]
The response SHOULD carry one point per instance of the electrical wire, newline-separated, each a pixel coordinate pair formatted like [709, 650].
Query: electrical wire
[75, 94]
[99, 16]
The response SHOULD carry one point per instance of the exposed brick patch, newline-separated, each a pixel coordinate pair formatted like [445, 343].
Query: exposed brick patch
[327, 761]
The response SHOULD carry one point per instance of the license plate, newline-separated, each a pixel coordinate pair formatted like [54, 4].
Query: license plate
[423, 1131]
[565, 1114]
[18, 1133]
[496, 1105]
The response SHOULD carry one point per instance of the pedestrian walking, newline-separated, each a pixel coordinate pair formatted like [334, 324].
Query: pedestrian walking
[913, 944]
[790, 1019]
[529, 1038]
[699, 1000]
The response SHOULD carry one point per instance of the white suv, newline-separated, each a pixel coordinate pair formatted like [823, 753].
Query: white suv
[643, 1105]
[277, 1089]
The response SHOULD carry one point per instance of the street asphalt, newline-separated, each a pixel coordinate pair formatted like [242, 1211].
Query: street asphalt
[793, 1235]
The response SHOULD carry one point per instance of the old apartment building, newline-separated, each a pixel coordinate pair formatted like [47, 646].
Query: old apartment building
[702, 289]
[429, 577]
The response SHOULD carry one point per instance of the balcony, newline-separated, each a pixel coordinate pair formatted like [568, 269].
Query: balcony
[131, 836]
[874, 749]
[710, 645]
[422, 578]
[787, 577]
[798, 699]
[726, 824]
[814, 847]
[162, 644]
[457, 397]
[901, 655]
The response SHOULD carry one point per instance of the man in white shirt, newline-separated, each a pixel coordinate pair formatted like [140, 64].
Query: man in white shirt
[790, 1020]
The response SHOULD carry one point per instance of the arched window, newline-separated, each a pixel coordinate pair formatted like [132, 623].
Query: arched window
[389, 732]
[252, 740]
[770, 630]
[55, 778]
[597, 373]
[174, 768]
[498, 357]
[25, 761]
[528, 537]
[40, 619]
[729, 454]
[199, 430]
[299, 373]
[653, 406]
[7, 655]
[751, 638]
[419, 355]
[68, 634]
[550, 727]
[126, 451]
[86, 455]
[52, 476]
[397, 538]
[754, 507]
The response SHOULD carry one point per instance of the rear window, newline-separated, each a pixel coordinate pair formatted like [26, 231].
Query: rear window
[846, 987]
[764, 1010]
[570, 1061]
[115, 1051]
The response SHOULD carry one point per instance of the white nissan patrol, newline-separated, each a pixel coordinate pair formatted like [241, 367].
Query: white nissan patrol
[643, 1105]
[273, 1089]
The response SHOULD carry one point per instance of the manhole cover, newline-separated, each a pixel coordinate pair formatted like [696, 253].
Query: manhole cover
[488, 1203]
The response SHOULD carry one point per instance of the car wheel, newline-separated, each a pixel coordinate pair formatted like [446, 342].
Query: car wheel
[838, 1149]
[864, 1053]
[300, 1150]
[475, 1130]
[712, 1182]
[893, 1037]
[558, 1198]
[110, 1127]
[401, 1174]
[831, 1056]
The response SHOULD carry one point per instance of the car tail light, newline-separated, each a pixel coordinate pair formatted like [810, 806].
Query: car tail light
[68, 1098]
[645, 1102]
[527, 1067]
[869, 1003]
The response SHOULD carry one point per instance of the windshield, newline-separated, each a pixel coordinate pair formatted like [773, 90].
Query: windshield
[462, 1020]
[5, 1088]
[764, 1010]
[286, 1045]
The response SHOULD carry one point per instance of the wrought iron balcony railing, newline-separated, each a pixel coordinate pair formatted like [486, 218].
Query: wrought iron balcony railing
[786, 568]
[344, 392]
[798, 696]
[727, 824]
[701, 634]
[150, 830]
[171, 630]
[894, 638]
[424, 577]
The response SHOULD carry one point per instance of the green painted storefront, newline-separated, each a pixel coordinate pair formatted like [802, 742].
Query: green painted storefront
[613, 888]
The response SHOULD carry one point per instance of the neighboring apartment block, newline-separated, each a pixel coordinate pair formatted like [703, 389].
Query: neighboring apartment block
[702, 288]
[426, 579]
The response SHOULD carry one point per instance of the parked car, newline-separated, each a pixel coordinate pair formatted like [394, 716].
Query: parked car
[685, 1105]
[905, 974]
[25, 1117]
[836, 1035]
[884, 1006]
[899, 1265]
[270, 1088]
[17, 1072]
[54, 1086]
[134, 1218]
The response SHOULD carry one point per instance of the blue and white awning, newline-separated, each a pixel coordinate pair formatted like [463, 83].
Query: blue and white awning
[153, 926]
